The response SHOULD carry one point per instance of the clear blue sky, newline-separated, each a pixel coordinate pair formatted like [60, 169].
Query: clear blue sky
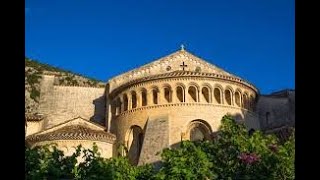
[253, 39]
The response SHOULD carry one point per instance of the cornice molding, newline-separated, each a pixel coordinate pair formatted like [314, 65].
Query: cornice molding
[125, 113]
[184, 75]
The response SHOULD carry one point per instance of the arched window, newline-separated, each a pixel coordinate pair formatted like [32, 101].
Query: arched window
[192, 91]
[217, 95]
[113, 107]
[228, 96]
[125, 102]
[134, 141]
[237, 98]
[118, 106]
[245, 101]
[267, 117]
[205, 93]
[155, 96]
[251, 103]
[167, 94]
[144, 97]
[199, 130]
[134, 99]
[180, 94]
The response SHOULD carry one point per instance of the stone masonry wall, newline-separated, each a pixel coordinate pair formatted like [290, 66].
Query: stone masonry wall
[62, 103]
[179, 116]
[156, 138]
[274, 112]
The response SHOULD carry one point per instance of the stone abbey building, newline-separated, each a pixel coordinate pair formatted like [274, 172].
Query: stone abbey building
[177, 97]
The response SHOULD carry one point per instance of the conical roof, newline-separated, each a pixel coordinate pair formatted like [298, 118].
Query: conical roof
[180, 60]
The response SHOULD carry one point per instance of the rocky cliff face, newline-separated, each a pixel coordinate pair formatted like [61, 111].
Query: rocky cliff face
[33, 75]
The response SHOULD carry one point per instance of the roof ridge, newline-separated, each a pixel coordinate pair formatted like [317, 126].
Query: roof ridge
[65, 122]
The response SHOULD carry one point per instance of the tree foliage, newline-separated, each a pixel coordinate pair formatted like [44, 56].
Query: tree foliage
[232, 154]
[186, 162]
[237, 155]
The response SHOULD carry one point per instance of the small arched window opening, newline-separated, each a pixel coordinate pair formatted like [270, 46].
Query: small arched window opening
[113, 107]
[180, 94]
[155, 96]
[228, 96]
[252, 103]
[205, 94]
[118, 106]
[199, 130]
[134, 99]
[167, 94]
[125, 102]
[192, 91]
[144, 98]
[237, 98]
[267, 117]
[245, 101]
[217, 95]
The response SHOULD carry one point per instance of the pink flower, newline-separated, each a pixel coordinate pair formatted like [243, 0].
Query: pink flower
[249, 158]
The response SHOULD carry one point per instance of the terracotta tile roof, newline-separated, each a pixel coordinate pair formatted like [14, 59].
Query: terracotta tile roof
[33, 117]
[73, 132]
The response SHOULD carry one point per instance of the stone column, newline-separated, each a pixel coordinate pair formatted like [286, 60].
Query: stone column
[121, 105]
[222, 96]
[174, 97]
[233, 99]
[149, 97]
[129, 101]
[161, 99]
[109, 117]
[139, 99]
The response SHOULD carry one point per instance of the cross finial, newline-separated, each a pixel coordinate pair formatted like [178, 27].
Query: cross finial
[183, 65]
[182, 47]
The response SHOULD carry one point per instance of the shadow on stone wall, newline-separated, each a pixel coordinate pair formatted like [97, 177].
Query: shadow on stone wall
[239, 117]
[99, 110]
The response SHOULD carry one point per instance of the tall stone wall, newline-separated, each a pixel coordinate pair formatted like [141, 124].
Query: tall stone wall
[178, 117]
[62, 103]
[156, 138]
[276, 111]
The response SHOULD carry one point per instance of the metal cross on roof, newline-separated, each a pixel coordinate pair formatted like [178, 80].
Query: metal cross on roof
[183, 65]
[182, 47]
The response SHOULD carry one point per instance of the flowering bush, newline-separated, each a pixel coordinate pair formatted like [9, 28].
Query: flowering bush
[232, 154]
[236, 154]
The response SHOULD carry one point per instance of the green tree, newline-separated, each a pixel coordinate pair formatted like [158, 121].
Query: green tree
[47, 162]
[237, 155]
[186, 162]
[233, 154]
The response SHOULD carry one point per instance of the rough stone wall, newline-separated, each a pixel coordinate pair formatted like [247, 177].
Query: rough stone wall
[156, 138]
[34, 127]
[292, 108]
[281, 110]
[62, 103]
[179, 116]
[69, 146]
